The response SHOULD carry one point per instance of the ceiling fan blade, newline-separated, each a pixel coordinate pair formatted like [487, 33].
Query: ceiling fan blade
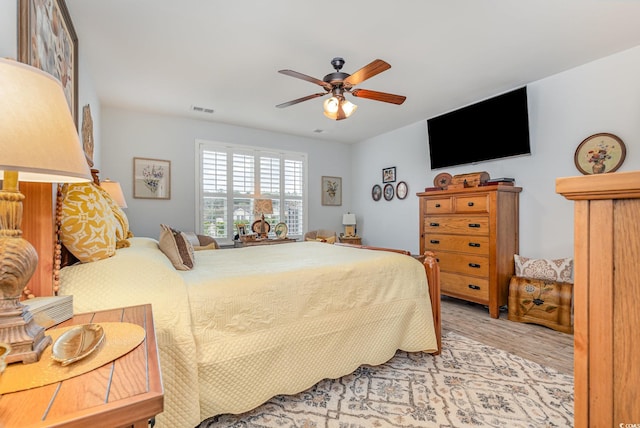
[374, 67]
[378, 96]
[297, 75]
[299, 100]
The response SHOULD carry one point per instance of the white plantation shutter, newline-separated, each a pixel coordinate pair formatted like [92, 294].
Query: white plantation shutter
[232, 176]
[293, 196]
[213, 203]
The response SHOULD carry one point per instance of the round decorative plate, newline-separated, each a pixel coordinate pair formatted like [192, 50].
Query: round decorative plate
[442, 180]
[402, 190]
[281, 230]
[376, 192]
[255, 226]
[388, 192]
[600, 153]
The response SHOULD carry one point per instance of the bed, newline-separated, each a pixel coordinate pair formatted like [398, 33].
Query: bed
[246, 324]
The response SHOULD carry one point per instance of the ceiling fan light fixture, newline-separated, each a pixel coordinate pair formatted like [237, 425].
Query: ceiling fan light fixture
[331, 107]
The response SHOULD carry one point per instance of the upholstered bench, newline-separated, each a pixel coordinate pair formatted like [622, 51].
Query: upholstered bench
[541, 292]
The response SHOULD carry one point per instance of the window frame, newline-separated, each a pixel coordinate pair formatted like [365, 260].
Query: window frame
[232, 148]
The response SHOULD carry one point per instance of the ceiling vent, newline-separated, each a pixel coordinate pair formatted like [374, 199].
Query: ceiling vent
[202, 109]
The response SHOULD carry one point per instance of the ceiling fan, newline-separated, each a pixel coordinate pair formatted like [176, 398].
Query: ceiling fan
[339, 83]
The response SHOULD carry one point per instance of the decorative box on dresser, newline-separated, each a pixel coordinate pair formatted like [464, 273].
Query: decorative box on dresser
[474, 233]
[606, 297]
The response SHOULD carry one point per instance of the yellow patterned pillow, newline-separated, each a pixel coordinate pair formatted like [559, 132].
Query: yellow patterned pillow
[88, 226]
[122, 222]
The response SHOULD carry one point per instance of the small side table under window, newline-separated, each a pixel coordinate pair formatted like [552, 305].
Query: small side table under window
[353, 240]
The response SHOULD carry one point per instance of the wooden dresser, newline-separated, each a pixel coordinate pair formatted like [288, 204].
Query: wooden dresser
[606, 297]
[474, 233]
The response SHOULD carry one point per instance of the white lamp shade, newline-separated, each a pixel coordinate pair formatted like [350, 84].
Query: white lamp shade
[348, 219]
[38, 138]
[114, 189]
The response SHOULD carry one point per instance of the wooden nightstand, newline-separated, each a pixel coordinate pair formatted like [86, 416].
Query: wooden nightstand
[124, 393]
[353, 240]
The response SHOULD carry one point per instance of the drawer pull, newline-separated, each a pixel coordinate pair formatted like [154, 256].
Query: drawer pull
[474, 244]
[434, 241]
[474, 265]
[474, 287]
[474, 225]
[434, 224]
[470, 204]
[437, 205]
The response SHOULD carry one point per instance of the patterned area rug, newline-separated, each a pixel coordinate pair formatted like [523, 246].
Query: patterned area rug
[468, 385]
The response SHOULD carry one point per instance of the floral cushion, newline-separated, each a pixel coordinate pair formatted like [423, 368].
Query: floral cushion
[560, 270]
[87, 225]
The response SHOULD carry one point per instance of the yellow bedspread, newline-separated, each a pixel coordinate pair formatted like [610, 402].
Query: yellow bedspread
[249, 323]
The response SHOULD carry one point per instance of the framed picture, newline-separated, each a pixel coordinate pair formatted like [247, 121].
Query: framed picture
[376, 192]
[48, 41]
[599, 154]
[389, 175]
[151, 178]
[331, 190]
[402, 190]
[388, 192]
[241, 230]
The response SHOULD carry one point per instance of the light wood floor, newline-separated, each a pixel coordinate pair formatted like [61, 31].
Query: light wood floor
[534, 342]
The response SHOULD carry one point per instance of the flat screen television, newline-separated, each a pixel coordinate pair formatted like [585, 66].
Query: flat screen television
[491, 129]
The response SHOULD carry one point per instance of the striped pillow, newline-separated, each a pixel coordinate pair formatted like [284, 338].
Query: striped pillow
[177, 247]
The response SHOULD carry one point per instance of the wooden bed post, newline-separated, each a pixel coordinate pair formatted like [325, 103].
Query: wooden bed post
[433, 278]
[38, 228]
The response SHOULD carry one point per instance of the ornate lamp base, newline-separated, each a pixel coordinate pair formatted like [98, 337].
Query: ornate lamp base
[18, 260]
[18, 328]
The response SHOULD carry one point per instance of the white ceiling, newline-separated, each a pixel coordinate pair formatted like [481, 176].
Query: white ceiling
[166, 56]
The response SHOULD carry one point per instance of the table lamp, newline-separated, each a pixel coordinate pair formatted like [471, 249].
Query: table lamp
[39, 143]
[114, 190]
[262, 207]
[349, 223]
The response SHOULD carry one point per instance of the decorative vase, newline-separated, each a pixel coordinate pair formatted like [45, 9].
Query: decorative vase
[598, 167]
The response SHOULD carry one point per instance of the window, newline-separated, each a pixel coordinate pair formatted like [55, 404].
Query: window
[232, 176]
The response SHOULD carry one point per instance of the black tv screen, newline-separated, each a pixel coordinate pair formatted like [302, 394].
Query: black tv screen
[491, 129]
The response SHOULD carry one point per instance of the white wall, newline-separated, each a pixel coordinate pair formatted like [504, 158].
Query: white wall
[8, 29]
[127, 134]
[602, 96]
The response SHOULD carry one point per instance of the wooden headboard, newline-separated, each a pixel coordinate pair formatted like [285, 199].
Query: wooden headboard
[38, 227]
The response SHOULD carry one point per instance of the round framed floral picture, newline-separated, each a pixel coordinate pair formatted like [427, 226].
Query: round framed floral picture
[600, 153]
[376, 192]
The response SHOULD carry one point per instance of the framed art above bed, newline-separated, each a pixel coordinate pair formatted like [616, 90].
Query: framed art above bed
[48, 41]
[151, 178]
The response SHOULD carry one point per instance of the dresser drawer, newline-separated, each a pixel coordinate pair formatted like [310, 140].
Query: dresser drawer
[462, 225]
[472, 204]
[466, 264]
[437, 206]
[475, 289]
[461, 243]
